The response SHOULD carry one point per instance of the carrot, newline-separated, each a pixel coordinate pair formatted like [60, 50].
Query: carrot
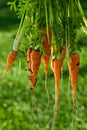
[29, 51]
[35, 63]
[10, 59]
[73, 65]
[56, 65]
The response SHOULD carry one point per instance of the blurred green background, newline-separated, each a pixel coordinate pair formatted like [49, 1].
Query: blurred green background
[19, 109]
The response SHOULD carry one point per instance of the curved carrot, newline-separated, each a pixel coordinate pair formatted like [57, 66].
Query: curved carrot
[73, 65]
[10, 59]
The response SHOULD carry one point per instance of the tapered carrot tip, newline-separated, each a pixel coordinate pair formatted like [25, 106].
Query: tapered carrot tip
[10, 59]
[73, 65]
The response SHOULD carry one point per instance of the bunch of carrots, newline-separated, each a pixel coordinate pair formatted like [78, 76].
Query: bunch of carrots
[58, 31]
[34, 60]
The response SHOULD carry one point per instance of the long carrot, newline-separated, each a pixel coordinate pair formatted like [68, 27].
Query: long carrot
[10, 59]
[73, 65]
[35, 63]
[56, 67]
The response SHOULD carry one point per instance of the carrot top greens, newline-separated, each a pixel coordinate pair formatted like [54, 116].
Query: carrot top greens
[64, 17]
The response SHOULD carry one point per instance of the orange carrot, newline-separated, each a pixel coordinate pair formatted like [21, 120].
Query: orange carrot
[10, 59]
[56, 67]
[35, 63]
[73, 65]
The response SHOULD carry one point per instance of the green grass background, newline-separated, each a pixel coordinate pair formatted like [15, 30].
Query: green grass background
[19, 109]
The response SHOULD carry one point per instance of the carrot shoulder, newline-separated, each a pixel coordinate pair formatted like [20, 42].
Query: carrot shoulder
[73, 65]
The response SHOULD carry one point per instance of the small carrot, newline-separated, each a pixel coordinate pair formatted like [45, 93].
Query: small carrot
[73, 65]
[10, 59]
[35, 63]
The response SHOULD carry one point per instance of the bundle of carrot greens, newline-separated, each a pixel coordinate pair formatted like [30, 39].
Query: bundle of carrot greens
[48, 29]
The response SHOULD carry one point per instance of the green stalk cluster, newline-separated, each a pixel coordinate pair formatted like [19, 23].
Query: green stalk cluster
[64, 17]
